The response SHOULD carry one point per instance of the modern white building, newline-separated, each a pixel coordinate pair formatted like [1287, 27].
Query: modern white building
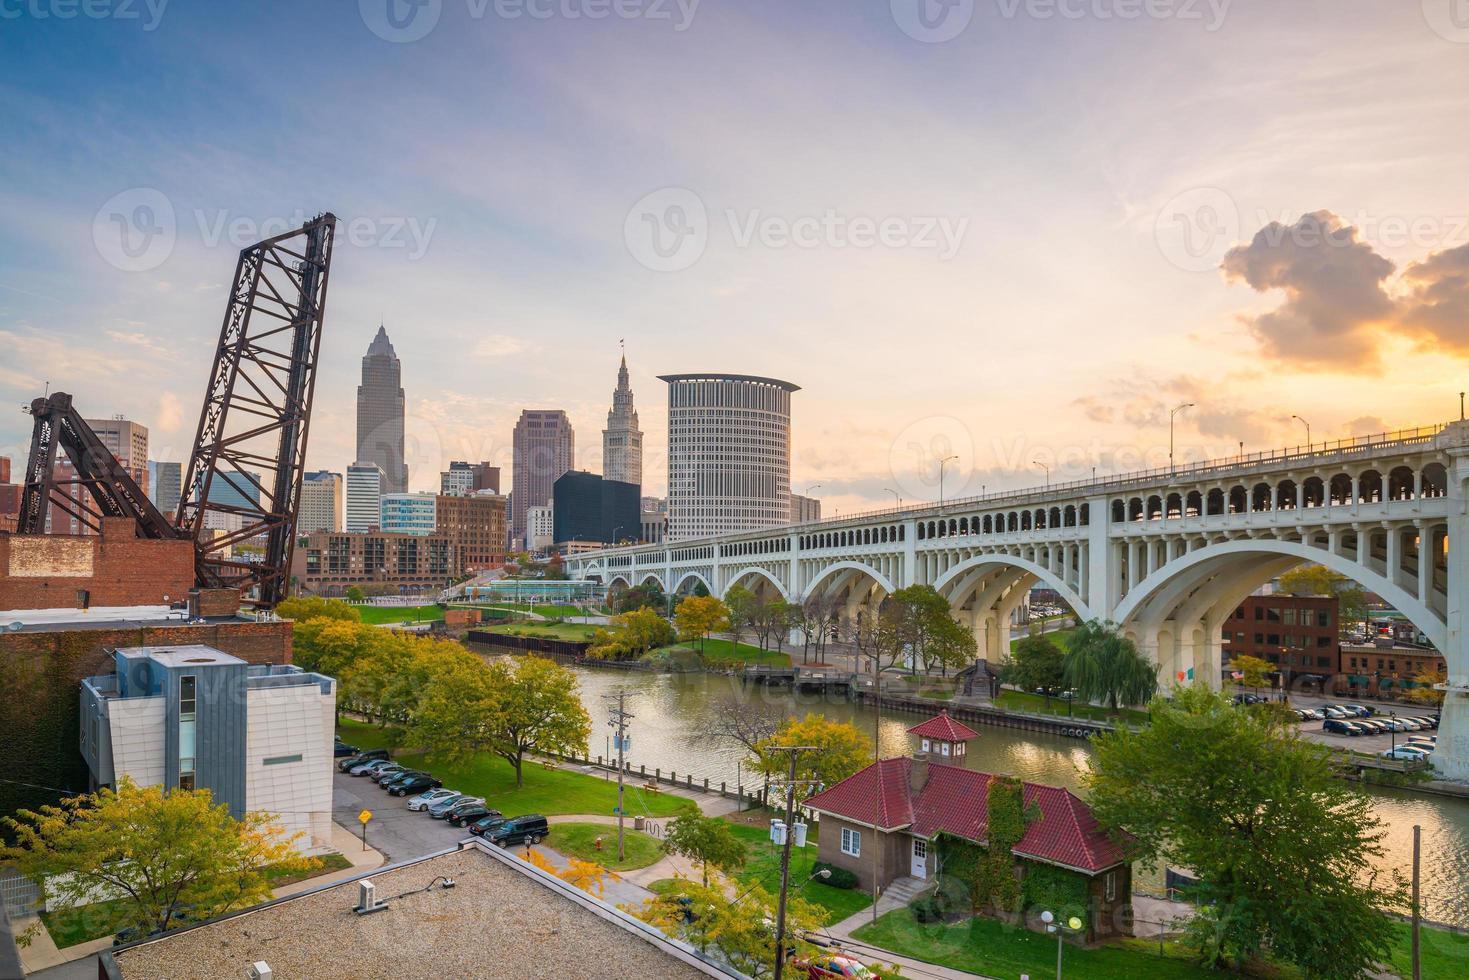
[322, 503]
[409, 513]
[364, 497]
[258, 737]
[622, 440]
[540, 527]
[729, 453]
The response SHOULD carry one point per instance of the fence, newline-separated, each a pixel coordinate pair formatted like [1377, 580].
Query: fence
[19, 894]
[659, 778]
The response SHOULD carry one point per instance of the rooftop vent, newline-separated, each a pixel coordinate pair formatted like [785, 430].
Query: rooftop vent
[367, 900]
[259, 971]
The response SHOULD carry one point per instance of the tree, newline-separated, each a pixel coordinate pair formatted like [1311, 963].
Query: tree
[1037, 664]
[303, 608]
[1103, 665]
[741, 603]
[926, 628]
[743, 933]
[458, 715]
[738, 720]
[355, 594]
[649, 595]
[632, 634]
[841, 749]
[1283, 849]
[1319, 580]
[816, 618]
[1253, 671]
[1426, 690]
[706, 840]
[538, 709]
[698, 616]
[158, 853]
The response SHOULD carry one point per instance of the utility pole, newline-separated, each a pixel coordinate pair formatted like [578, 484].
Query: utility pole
[1417, 966]
[877, 761]
[785, 854]
[619, 717]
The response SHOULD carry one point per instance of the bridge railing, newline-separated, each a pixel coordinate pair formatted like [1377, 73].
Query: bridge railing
[1326, 451]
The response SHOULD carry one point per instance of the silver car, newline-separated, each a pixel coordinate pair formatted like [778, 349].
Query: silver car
[426, 799]
[370, 767]
[441, 809]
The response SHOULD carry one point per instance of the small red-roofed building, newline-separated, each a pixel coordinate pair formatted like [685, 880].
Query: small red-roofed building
[902, 807]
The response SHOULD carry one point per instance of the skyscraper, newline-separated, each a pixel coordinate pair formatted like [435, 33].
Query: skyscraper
[380, 413]
[729, 453]
[321, 503]
[364, 496]
[128, 441]
[462, 479]
[165, 485]
[622, 440]
[544, 446]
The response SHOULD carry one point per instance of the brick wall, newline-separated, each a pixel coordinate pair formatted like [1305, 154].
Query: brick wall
[117, 569]
[42, 671]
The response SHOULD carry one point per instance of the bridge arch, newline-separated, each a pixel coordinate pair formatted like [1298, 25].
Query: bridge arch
[963, 572]
[878, 579]
[620, 577]
[645, 576]
[684, 578]
[761, 573]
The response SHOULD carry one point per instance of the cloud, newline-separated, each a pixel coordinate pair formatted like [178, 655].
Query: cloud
[1438, 304]
[1336, 305]
[500, 345]
[170, 414]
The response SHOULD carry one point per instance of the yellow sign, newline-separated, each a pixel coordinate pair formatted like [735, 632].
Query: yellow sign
[364, 816]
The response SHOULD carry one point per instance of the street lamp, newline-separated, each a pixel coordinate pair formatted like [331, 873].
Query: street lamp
[942, 463]
[1047, 469]
[1171, 413]
[1308, 430]
[897, 500]
[1072, 924]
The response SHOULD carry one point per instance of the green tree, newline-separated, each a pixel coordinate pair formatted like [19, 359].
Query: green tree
[698, 616]
[1037, 664]
[1254, 671]
[841, 749]
[743, 934]
[1284, 850]
[706, 840]
[926, 627]
[538, 710]
[741, 603]
[458, 715]
[1103, 665]
[355, 594]
[1319, 580]
[302, 608]
[157, 852]
[649, 595]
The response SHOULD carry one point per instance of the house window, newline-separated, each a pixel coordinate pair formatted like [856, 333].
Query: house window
[188, 706]
[946, 747]
[851, 842]
[279, 760]
[1109, 885]
[925, 745]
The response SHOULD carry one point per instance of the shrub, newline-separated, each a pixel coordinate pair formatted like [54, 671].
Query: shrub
[840, 877]
[931, 908]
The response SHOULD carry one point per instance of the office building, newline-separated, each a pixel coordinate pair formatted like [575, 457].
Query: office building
[9, 497]
[364, 491]
[128, 441]
[804, 509]
[323, 502]
[329, 564]
[241, 490]
[588, 508]
[475, 528]
[729, 453]
[541, 528]
[544, 447]
[165, 483]
[1297, 633]
[259, 738]
[654, 520]
[408, 513]
[380, 413]
[462, 479]
[622, 440]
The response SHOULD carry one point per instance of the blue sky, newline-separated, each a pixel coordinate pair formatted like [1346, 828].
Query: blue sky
[499, 170]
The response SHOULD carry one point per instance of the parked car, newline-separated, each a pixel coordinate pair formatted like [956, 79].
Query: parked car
[834, 966]
[485, 823]
[1333, 713]
[341, 750]
[1376, 725]
[529, 829]
[1427, 721]
[1361, 709]
[465, 813]
[392, 782]
[371, 755]
[371, 766]
[1314, 714]
[1404, 753]
[1340, 726]
[384, 773]
[440, 810]
[416, 783]
[429, 797]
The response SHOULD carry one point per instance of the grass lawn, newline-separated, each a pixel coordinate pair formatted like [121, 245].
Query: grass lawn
[87, 922]
[762, 864]
[725, 653]
[1036, 703]
[1443, 954]
[998, 950]
[1057, 637]
[937, 695]
[547, 791]
[579, 840]
[377, 615]
[554, 631]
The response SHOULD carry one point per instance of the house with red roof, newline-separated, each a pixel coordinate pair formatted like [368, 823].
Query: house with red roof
[887, 821]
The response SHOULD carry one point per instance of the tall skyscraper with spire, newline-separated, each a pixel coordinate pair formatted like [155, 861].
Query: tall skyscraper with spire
[622, 440]
[380, 413]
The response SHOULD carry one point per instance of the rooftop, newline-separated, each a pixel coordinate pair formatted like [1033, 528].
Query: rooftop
[179, 656]
[945, 729]
[502, 918]
[101, 618]
[751, 378]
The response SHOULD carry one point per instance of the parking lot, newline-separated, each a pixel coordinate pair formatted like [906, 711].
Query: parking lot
[1364, 743]
[395, 831]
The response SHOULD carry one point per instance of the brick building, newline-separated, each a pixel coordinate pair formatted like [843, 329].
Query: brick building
[1385, 667]
[1297, 633]
[329, 564]
[74, 572]
[475, 527]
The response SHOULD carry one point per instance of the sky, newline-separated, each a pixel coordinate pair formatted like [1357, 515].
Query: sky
[1017, 232]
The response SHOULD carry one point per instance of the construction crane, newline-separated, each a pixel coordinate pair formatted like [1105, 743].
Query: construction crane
[243, 482]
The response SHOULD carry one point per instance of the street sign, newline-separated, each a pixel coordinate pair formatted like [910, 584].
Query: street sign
[364, 816]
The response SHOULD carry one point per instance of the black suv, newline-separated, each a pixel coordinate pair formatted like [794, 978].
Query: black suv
[530, 829]
[346, 764]
[416, 783]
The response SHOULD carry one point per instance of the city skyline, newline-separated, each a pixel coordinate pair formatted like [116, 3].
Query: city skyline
[1094, 258]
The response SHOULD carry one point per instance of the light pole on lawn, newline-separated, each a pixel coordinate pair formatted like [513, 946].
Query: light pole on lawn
[1072, 924]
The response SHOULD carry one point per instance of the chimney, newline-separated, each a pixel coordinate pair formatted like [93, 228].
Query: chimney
[918, 772]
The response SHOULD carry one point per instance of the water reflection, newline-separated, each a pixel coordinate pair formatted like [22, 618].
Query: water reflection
[668, 708]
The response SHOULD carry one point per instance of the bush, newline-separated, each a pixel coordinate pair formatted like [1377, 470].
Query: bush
[840, 877]
[932, 908]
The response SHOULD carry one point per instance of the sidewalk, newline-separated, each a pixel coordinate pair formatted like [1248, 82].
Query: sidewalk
[840, 934]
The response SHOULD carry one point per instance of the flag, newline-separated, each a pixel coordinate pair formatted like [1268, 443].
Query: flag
[1190, 673]
[1180, 676]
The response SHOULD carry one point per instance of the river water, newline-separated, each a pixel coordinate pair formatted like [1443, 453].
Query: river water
[667, 709]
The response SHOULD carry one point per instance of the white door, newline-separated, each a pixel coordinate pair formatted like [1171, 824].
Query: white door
[920, 858]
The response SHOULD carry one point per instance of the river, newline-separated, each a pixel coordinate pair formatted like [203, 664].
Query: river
[668, 706]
